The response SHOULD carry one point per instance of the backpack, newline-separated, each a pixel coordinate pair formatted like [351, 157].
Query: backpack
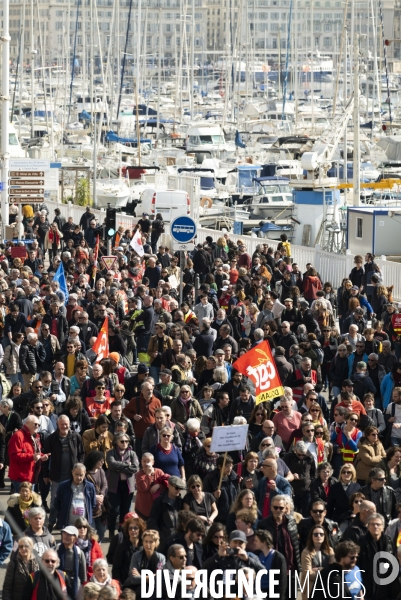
[319, 353]
[359, 388]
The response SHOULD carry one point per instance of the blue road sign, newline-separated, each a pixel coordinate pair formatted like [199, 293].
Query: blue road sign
[183, 229]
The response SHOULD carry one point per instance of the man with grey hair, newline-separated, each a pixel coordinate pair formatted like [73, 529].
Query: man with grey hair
[32, 356]
[57, 322]
[303, 467]
[258, 336]
[287, 338]
[75, 498]
[386, 358]
[87, 328]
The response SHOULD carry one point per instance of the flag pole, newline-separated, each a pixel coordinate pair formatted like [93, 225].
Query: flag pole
[222, 471]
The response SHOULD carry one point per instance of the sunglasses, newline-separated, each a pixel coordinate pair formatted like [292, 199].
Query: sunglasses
[195, 486]
[266, 445]
[317, 534]
[309, 431]
[353, 557]
[165, 435]
[353, 420]
[49, 561]
[314, 410]
[317, 511]
[318, 432]
[124, 441]
[380, 479]
[278, 507]
[182, 557]
[133, 528]
[38, 387]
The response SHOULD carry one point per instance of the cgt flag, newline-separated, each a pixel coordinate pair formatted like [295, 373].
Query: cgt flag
[101, 346]
[258, 364]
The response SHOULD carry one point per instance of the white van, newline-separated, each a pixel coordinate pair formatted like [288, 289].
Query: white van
[169, 203]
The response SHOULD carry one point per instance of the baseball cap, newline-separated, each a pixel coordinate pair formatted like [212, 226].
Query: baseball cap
[347, 382]
[166, 372]
[71, 530]
[219, 352]
[236, 534]
[355, 287]
[142, 368]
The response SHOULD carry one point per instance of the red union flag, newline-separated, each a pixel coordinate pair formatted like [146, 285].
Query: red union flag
[258, 364]
[101, 346]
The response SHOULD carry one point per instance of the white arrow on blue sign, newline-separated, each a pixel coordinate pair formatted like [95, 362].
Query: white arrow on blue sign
[183, 229]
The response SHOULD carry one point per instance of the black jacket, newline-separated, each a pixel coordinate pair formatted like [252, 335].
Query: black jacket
[197, 549]
[31, 358]
[270, 525]
[229, 491]
[338, 370]
[355, 531]
[284, 368]
[203, 344]
[122, 560]
[331, 527]
[202, 262]
[231, 562]
[286, 341]
[163, 516]
[332, 580]
[317, 490]
[80, 423]
[387, 502]
[304, 467]
[368, 549]
[52, 445]
[62, 325]
[87, 330]
[338, 501]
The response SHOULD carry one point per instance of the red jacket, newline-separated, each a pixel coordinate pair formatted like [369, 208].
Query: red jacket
[20, 451]
[96, 552]
[311, 285]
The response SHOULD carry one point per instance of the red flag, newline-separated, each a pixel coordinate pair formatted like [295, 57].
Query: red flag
[96, 250]
[258, 364]
[101, 346]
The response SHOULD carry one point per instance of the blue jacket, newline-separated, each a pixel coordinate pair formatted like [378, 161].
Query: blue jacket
[365, 304]
[283, 487]
[63, 499]
[386, 390]
[6, 541]
[351, 359]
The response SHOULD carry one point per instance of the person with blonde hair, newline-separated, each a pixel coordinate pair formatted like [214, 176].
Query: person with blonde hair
[17, 583]
[146, 556]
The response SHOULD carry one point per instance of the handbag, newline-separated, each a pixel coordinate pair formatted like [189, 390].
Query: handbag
[105, 508]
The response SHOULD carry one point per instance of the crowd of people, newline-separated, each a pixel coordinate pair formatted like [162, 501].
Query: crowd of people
[121, 448]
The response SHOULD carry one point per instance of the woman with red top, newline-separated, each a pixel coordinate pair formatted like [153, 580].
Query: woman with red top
[149, 483]
[311, 285]
[87, 542]
[100, 404]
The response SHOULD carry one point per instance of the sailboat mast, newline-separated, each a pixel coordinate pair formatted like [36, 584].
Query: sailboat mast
[32, 74]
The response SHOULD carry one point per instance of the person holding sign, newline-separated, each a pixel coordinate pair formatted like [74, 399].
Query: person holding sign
[222, 482]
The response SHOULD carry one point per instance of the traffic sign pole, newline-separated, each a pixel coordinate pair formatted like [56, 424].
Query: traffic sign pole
[183, 231]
